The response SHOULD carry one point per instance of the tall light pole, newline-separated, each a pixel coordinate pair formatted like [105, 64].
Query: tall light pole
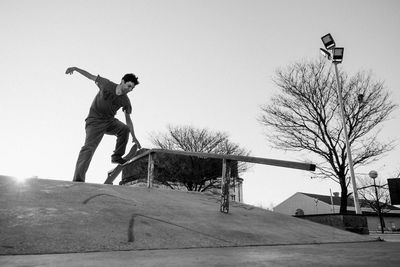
[337, 57]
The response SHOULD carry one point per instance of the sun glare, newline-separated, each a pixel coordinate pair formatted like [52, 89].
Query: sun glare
[23, 179]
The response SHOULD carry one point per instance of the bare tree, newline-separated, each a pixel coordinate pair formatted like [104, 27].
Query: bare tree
[376, 196]
[396, 174]
[304, 116]
[194, 173]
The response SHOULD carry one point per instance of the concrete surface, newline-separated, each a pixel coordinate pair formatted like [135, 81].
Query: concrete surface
[387, 236]
[336, 254]
[48, 216]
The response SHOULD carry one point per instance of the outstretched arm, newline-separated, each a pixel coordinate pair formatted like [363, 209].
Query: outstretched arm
[71, 70]
[130, 125]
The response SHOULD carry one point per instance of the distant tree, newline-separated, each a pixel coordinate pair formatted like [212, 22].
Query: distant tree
[305, 116]
[194, 173]
[377, 199]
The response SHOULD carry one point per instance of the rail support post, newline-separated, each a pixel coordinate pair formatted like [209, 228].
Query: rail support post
[150, 170]
[226, 176]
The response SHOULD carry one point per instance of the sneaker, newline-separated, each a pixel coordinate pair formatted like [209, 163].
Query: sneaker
[118, 160]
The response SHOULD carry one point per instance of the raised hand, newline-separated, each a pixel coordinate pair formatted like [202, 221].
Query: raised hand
[70, 70]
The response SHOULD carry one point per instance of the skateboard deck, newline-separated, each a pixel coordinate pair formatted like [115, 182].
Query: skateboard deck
[111, 175]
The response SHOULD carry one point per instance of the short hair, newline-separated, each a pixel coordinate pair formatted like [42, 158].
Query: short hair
[130, 77]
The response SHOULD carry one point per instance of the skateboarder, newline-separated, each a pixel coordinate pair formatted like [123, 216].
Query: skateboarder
[101, 119]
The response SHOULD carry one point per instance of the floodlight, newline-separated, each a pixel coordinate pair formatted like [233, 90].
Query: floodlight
[337, 56]
[328, 41]
[325, 53]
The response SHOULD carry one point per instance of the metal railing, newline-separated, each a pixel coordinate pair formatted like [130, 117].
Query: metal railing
[226, 167]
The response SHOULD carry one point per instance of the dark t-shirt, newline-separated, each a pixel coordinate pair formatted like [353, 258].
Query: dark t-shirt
[106, 103]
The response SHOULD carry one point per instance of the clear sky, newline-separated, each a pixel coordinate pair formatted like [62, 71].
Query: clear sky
[205, 63]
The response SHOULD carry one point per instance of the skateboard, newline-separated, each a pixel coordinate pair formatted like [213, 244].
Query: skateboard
[111, 175]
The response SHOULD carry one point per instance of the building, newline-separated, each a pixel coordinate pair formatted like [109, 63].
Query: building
[235, 189]
[166, 168]
[313, 204]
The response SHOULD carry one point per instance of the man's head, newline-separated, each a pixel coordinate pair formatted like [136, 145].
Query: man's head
[130, 77]
[128, 82]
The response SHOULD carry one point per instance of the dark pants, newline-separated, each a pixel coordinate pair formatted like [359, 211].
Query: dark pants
[94, 133]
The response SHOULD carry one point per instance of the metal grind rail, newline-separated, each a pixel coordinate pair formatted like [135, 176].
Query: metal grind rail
[226, 167]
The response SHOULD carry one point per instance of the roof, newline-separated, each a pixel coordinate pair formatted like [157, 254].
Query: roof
[336, 200]
[327, 199]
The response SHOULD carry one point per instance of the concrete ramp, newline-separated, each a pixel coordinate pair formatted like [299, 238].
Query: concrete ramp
[48, 216]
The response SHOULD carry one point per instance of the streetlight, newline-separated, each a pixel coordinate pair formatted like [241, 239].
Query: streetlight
[336, 56]
[373, 175]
